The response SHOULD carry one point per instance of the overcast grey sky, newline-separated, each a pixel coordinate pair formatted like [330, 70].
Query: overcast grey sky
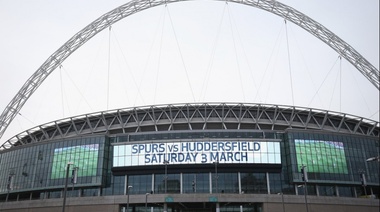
[197, 51]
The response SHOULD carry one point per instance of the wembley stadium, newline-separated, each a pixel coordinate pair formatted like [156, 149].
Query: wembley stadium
[198, 156]
[188, 157]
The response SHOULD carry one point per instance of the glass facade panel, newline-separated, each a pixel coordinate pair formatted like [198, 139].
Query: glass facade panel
[334, 162]
[196, 183]
[90, 192]
[346, 191]
[227, 183]
[254, 183]
[171, 184]
[118, 185]
[327, 191]
[72, 192]
[363, 191]
[141, 184]
[55, 194]
[333, 158]
[275, 183]
[311, 190]
[45, 165]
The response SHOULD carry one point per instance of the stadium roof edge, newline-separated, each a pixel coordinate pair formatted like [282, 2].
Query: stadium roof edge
[169, 117]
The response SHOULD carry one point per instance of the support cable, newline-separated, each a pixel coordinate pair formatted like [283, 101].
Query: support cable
[27, 119]
[358, 88]
[335, 83]
[290, 67]
[148, 59]
[340, 84]
[109, 66]
[89, 74]
[159, 58]
[211, 60]
[63, 94]
[306, 65]
[377, 112]
[236, 55]
[76, 87]
[316, 93]
[246, 59]
[62, 102]
[267, 66]
[183, 62]
[121, 79]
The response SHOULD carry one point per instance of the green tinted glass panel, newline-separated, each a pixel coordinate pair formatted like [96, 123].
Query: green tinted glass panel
[85, 157]
[321, 156]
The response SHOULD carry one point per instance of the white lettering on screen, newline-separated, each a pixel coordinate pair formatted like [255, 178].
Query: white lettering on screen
[200, 152]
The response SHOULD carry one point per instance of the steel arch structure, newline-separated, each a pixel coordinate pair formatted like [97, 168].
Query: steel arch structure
[106, 20]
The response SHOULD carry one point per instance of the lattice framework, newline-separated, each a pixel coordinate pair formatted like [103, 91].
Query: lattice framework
[205, 116]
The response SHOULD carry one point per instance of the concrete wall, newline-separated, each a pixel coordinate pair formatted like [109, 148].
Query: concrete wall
[271, 203]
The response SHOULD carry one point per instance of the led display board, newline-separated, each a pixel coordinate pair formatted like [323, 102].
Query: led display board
[321, 156]
[85, 157]
[197, 152]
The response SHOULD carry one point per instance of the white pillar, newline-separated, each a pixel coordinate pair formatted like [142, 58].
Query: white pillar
[268, 185]
[239, 182]
[211, 182]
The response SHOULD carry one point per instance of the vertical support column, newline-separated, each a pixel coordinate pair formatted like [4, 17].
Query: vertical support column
[9, 185]
[217, 209]
[283, 203]
[66, 183]
[239, 183]
[337, 191]
[211, 182]
[152, 191]
[305, 191]
[128, 187]
[364, 182]
[165, 207]
[166, 175]
[268, 186]
[194, 184]
[181, 183]
[146, 202]
[305, 180]
[125, 184]
[317, 189]
[216, 176]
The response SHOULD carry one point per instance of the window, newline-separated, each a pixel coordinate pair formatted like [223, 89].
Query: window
[254, 183]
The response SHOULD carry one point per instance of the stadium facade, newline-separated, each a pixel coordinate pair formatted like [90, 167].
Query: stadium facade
[195, 157]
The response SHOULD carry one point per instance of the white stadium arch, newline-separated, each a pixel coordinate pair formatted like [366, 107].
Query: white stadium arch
[123, 11]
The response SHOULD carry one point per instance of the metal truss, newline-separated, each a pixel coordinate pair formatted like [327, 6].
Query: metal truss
[202, 116]
[106, 20]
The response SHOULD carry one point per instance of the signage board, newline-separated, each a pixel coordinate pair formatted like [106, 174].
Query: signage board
[197, 152]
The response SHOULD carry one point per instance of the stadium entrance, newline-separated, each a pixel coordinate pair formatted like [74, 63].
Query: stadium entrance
[194, 207]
